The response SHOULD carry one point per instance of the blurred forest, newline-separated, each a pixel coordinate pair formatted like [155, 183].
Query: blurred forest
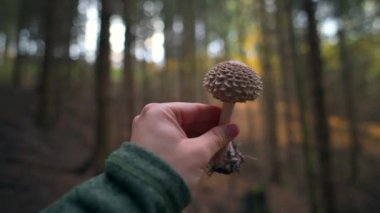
[74, 73]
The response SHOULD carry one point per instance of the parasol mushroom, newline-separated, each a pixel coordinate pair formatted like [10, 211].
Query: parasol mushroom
[230, 82]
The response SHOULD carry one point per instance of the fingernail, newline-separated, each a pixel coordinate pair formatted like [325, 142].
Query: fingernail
[232, 130]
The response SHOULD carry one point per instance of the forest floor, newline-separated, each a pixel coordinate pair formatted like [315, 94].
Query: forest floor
[38, 166]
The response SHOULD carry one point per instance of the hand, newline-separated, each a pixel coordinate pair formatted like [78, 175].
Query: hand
[185, 135]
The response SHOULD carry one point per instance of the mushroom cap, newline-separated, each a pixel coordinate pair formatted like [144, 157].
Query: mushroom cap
[233, 81]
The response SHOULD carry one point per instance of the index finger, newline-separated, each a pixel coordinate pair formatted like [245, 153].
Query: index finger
[190, 113]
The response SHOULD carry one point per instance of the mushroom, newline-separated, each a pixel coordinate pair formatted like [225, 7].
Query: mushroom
[230, 82]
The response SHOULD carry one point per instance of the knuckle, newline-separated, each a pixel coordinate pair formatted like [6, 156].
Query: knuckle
[136, 119]
[149, 108]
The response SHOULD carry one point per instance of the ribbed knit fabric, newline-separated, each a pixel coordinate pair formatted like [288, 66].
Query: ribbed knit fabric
[135, 180]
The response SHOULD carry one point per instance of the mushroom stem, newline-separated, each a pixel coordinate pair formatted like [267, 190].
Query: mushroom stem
[222, 157]
[225, 115]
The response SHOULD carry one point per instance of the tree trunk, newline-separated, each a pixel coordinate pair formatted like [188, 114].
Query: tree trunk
[348, 88]
[188, 63]
[67, 10]
[168, 16]
[321, 127]
[300, 88]
[285, 70]
[46, 108]
[129, 87]
[18, 63]
[7, 40]
[269, 96]
[103, 89]
[201, 52]
[146, 83]
[227, 47]
[251, 125]
[355, 147]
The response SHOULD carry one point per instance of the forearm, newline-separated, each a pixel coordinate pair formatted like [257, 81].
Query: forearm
[134, 181]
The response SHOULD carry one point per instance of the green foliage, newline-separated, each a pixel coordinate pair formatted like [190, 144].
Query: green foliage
[116, 74]
[5, 73]
[365, 62]
[8, 14]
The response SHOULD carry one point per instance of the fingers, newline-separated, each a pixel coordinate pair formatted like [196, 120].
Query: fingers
[198, 129]
[214, 139]
[191, 113]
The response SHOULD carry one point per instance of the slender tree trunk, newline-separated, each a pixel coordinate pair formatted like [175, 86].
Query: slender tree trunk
[321, 126]
[188, 63]
[251, 125]
[227, 48]
[146, 83]
[300, 88]
[129, 87]
[269, 96]
[202, 59]
[168, 16]
[283, 54]
[7, 40]
[67, 10]
[18, 63]
[103, 89]
[348, 86]
[250, 114]
[2, 52]
[69, 82]
[355, 147]
[46, 107]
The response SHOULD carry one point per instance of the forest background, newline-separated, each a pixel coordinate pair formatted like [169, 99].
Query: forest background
[74, 73]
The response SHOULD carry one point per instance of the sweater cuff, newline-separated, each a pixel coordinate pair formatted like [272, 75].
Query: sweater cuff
[131, 161]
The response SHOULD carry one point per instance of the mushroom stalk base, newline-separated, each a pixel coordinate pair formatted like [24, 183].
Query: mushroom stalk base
[228, 159]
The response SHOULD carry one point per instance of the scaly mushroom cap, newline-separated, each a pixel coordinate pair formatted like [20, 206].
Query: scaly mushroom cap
[233, 81]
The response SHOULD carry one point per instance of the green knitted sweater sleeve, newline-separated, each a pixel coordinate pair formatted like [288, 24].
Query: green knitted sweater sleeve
[135, 180]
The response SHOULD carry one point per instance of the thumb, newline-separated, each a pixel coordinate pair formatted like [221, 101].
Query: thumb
[217, 137]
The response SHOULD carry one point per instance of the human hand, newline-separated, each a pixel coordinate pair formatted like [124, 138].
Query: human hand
[185, 135]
